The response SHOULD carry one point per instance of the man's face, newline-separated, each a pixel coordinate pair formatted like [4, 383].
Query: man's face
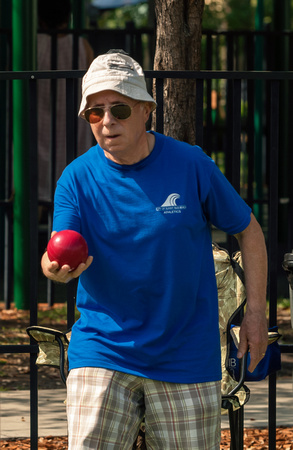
[123, 141]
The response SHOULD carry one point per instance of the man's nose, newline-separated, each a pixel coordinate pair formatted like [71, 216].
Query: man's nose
[108, 117]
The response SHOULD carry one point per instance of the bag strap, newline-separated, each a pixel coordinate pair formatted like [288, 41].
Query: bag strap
[238, 269]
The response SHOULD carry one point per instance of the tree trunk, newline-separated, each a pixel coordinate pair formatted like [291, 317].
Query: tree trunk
[178, 47]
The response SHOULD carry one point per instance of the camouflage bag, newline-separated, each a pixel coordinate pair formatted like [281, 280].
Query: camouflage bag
[53, 345]
[232, 299]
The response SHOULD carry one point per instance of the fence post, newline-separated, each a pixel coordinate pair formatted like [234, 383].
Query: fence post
[24, 28]
[282, 23]
[258, 112]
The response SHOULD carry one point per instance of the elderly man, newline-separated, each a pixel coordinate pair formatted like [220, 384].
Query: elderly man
[147, 341]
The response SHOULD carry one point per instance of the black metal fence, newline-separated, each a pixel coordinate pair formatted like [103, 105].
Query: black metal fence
[226, 127]
[221, 50]
[247, 50]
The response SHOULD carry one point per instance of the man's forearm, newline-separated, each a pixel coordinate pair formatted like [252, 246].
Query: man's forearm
[254, 257]
[253, 332]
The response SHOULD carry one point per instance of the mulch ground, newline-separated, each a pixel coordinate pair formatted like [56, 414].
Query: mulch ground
[15, 376]
[256, 439]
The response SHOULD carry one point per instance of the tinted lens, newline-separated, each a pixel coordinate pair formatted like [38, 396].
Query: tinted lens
[94, 115]
[121, 111]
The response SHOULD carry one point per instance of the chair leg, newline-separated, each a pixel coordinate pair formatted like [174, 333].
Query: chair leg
[236, 428]
[240, 427]
[233, 429]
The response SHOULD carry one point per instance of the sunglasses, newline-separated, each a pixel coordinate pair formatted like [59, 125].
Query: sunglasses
[120, 111]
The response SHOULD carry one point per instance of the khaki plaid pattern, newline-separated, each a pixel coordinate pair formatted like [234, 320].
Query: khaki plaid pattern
[105, 410]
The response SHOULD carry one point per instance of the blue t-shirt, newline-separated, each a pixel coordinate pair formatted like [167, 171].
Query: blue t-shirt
[148, 302]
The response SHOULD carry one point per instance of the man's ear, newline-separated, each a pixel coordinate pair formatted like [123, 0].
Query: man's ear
[147, 109]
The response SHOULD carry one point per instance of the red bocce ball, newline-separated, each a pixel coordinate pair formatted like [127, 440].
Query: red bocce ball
[68, 247]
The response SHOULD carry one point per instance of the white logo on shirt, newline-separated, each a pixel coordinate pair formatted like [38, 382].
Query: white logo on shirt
[170, 206]
[171, 200]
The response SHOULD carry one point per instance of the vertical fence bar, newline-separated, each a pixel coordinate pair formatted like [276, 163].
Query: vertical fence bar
[53, 116]
[71, 115]
[250, 50]
[4, 19]
[71, 142]
[229, 129]
[199, 113]
[258, 131]
[250, 142]
[33, 196]
[230, 51]
[232, 161]
[233, 150]
[209, 52]
[8, 265]
[208, 116]
[53, 150]
[33, 213]
[290, 161]
[160, 107]
[236, 135]
[75, 48]
[273, 241]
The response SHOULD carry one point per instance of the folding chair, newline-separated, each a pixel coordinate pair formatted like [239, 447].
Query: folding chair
[288, 267]
[232, 299]
[53, 344]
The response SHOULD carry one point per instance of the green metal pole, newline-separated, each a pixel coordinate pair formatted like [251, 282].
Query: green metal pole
[24, 29]
[5, 22]
[78, 14]
[258, 113]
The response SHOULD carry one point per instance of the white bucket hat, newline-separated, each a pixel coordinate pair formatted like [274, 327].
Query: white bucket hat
[117, 72]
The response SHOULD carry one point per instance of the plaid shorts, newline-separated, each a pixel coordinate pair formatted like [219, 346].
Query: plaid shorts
[105, 409]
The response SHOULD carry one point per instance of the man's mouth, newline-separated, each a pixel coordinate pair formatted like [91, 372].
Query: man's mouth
[114, 136]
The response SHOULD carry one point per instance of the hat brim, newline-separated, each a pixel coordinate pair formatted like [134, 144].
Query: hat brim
[136, 94]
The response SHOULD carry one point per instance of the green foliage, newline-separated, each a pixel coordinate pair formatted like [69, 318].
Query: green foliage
[268, 11]
[239, 15]
[214, 15]
[228, 15]
[117, 18]
[283, 303]
[225, 15]
[218, 15]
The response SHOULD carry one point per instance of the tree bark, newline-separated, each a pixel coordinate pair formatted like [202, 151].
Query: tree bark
[178, 47]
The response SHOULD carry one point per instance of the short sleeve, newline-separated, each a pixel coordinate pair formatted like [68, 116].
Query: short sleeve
[66, 210]
[224, 207]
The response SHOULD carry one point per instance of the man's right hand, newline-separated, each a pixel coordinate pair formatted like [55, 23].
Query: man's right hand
[64, 274]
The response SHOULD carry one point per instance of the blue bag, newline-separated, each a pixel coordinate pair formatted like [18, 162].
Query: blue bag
[270, 363]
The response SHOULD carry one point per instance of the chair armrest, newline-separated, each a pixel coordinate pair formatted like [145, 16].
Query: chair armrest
[243, 367]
